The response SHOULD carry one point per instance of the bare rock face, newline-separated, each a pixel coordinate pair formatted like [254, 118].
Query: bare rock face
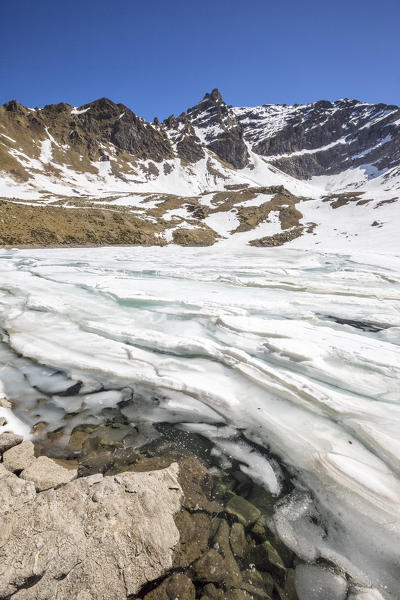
[19, 457]
[95, 538]
[224, 133]
[46, 474]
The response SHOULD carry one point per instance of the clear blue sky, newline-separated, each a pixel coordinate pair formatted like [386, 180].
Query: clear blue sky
[160, 57]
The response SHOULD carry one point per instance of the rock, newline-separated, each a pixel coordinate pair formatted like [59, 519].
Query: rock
[288, 592]
[232, 572]
[19, 457]
[194, 237]
[62, 544]
[46, 474]
[4, 403]
[254, 577]
[194, 535]
[238, 595]
[313, 583]
[244, 511]
[269, 583]
[266, 558]
[176, 587]
[8, 440]
[3, 421]
[210, 567]
[258, 530]
[212, 593]
[237, 539]
[254, 592]
[180, 587]
[14, 493]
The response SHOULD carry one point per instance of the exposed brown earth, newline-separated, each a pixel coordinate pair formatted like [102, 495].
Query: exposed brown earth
[88, 221]
[24, 225]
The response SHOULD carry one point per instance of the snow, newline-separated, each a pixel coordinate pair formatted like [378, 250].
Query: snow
[8, 138]
[342, 140]
[223, 222]
[257, 201]
[46, 152]
[76, 111]
[177, 212]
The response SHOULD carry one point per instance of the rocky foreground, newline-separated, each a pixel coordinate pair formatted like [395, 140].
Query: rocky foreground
[150, 532]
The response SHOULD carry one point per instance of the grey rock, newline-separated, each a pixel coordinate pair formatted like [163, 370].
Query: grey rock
[19, 457]
[8, 440]
[3, 421]
[46, 474]
[14, 493]
[61, 544]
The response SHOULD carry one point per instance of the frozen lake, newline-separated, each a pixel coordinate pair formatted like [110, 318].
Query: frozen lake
[297, 349]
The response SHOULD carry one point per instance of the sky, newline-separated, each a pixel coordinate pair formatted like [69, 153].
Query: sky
[161, 57]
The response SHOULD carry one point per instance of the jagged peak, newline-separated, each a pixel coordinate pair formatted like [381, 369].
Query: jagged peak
[14, 106]
[214, 96]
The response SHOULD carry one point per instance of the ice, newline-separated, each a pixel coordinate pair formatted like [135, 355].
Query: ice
[318, 583]
[365, 594]
[296, 523]
[251, 462]
[50, 381]
[13, 423]
[291, 350]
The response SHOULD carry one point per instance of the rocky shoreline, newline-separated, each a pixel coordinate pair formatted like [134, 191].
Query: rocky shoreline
[163, 529]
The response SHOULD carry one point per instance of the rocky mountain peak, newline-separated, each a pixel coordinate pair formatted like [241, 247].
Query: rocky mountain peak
[14, 106]
[214, 97]
[211, 142]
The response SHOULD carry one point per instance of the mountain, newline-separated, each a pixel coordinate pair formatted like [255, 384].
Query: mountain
[325, 173]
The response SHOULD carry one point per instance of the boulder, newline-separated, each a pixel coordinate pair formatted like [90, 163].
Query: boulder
[14, 493]
[245, 512]
[19, 457]
[210, 567]
[266, 558]
[194, 531]
[46, 473]
[8, 440]
[232, 572]
[94, 538]
[237, 539]
[176, 587]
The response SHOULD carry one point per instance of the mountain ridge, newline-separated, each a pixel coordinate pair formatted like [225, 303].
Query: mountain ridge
[322, 151]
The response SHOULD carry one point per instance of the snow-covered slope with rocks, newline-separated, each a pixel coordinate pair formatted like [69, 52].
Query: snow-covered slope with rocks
[340, 160]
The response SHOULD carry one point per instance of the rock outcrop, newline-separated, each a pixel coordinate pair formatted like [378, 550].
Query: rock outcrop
[93, 538]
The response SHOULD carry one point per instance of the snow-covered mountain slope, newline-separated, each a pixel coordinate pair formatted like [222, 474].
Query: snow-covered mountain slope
[338, 162]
